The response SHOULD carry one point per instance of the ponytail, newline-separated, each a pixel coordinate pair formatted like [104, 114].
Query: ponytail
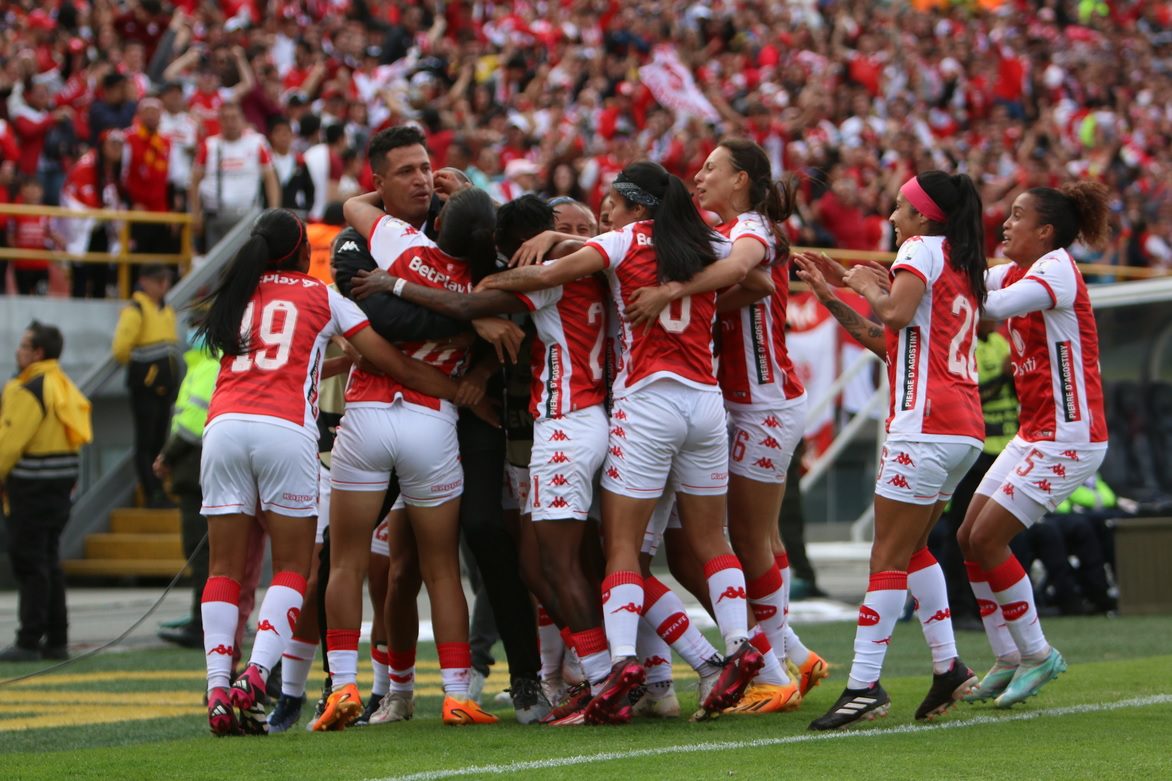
[274, 244]
[964, 227]
[683, 242]
[1078, 210]
[773, 199]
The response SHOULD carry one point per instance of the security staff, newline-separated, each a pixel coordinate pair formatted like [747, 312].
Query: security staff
[44, 421]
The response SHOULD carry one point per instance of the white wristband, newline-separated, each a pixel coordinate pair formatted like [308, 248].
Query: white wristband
[399, 285]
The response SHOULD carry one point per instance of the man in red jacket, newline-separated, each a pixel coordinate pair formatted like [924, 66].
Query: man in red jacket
[145, 177]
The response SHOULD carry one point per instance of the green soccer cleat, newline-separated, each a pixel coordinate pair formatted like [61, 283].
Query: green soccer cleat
[1030, 678]
[994, 682]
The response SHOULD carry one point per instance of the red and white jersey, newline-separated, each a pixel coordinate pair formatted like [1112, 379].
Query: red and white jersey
[1055, 354]
[678, 346]
[755, 369]
[288, 324]
[931, 362]
[407, 253]
[232, 171]
[569, 348]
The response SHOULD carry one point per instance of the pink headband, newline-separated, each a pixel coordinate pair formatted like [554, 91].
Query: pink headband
[921, 201]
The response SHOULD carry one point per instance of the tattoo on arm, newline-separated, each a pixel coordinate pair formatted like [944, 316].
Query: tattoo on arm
[862, 329]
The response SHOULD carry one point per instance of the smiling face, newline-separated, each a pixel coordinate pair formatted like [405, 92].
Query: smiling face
[1026, 238]
[575, 219]
[720, 187]
[907, 221]
[406, 183]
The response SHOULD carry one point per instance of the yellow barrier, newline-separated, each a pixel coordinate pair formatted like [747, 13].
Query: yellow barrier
[123, 258]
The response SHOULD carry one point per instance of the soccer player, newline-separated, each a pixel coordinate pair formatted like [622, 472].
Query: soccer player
[930, 302]
[271, 322]
[390, 427]
[570, 424]
[667, 422]
[1063, 435]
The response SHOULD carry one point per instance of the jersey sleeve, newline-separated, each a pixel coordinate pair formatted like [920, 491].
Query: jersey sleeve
[612, 246]
[995, 276]
[540, 299]
[754, 228]
[917, 258]
[390, 238]
[1022, 297]
[1055, 272]
[345, 315]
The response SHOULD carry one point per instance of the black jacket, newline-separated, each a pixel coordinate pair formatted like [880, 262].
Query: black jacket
[392, 318]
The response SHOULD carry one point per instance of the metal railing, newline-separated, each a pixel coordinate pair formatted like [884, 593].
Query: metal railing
[124, 258]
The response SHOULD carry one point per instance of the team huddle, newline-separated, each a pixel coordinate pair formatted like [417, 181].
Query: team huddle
[662, 410]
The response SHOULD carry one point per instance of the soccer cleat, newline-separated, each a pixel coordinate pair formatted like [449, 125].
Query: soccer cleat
[343, 706]
[768, 698]
[811, 673]
[994, 682]
[947, 689]
[248, 690]
[1030, 678]
[460, 712]
[554, 688]
[371, 706]
[286, 713]
[734, 678]
[658, 702]
[611, 703]
[253, 720]
[221, 715]
[854, 707]
[529, 702]
[320, 707]
[577, 697]
[395, 706]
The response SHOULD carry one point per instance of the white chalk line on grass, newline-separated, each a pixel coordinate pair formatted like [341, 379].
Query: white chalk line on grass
[611, 756]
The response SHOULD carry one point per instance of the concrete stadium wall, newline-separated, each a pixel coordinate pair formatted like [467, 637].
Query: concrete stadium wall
[87, 325]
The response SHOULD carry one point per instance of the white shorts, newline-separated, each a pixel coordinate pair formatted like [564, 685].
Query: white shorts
[420, 447]
[323, 504]
[515, 493]
[567, 454]
[923, 472]
[248, 464]
[762, 442]
[666, 516]
[380, 540]
[667, 434]
[1031, 479]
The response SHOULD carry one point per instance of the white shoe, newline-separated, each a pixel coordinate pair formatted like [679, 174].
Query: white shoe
[554, 689]
[475, 685]
[396, 706]
[658, 702]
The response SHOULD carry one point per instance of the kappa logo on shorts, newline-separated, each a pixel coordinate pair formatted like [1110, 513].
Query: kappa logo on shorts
[617, 431]
[899, 481]
[612, 473]
[764, 463]
[987, 607]
[616, 451]
[558, 480]
[771, 422]
[1014, 610]
[903, 459]
[559, 458]
[771, 443]
[558, 436]
[1007, 489]
[1059, 470]
[867, 616]
[266, 626]
[1071, 454]
[1044, 485]
[559, 503]
[620, 415]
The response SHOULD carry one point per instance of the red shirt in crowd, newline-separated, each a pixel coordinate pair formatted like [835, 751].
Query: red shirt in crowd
[146, 168]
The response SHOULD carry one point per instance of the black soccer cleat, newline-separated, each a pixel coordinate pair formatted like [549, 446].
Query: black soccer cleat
[854, 707]
[286, 713]
[371, 706]
[947, 690]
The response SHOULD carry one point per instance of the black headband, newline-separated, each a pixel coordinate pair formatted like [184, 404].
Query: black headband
[633, 192]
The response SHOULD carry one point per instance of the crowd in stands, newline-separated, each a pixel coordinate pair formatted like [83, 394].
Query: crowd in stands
[112, 103]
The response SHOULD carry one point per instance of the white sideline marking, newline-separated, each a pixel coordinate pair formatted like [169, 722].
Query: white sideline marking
[691, 748]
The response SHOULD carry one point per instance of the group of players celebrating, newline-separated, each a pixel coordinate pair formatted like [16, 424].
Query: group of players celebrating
[642, 433]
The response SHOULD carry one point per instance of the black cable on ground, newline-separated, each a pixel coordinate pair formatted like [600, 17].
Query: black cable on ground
[119, 638]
